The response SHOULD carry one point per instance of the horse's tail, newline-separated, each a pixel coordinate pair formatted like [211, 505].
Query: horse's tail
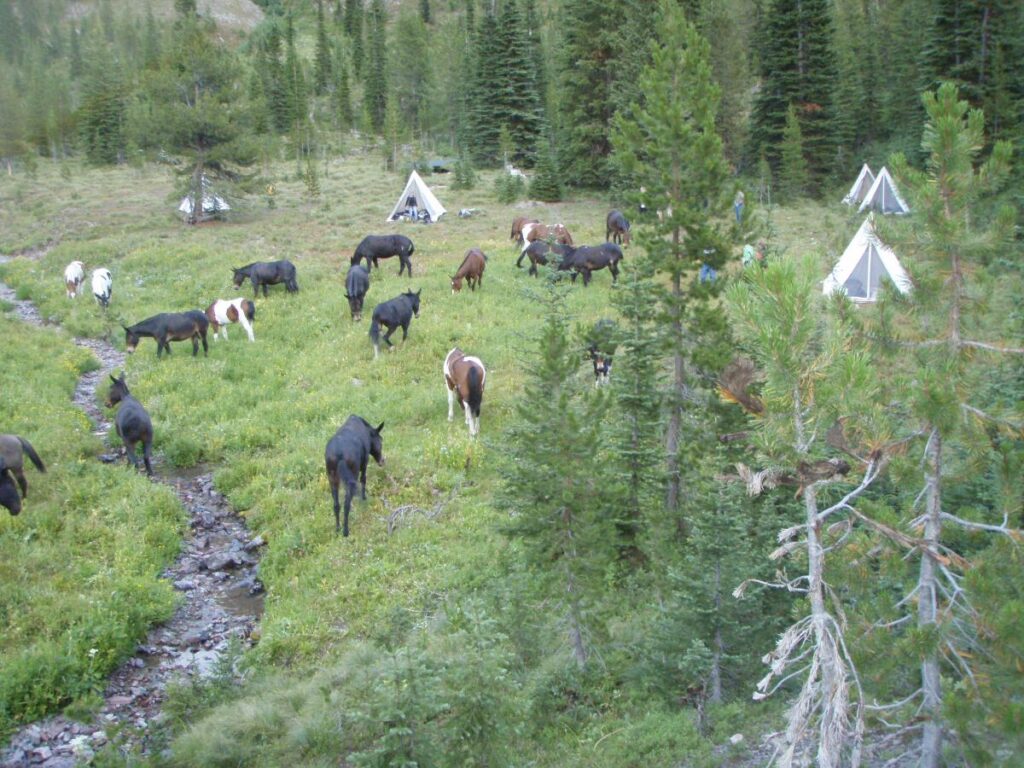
[375, 331]
[411, 247]
[31, 453]
[476, 391]
[250, 310]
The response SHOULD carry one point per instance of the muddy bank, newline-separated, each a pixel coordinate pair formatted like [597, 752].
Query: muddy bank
[216, 574]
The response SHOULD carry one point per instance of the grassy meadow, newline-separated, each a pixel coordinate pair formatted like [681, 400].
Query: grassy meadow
[260, 415]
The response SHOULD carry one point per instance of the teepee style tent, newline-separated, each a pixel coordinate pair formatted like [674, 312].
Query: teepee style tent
[416, 199]
[863, 265]
[861, 186]
[883, 197]
[212, 205]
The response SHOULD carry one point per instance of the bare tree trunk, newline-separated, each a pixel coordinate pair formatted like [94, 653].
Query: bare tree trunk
[715, 684]
[197, 192]
[927, 607]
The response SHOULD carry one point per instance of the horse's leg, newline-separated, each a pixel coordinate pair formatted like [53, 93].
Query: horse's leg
[333, 479]
[264, 290]
[362, 480]
[451, 401]
[469, 416]
[615, 272]
[244, 322]
[586, 277]
[147, 452]
[387, 336]
[202, 334]
[350, 490]
[129, 450]
[195, 344]
[160, 347]
[405, 330]
[19, 474]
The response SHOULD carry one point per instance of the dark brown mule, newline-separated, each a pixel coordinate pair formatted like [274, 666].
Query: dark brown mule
[132, 423]
[464, 378]
[517, 227]
[472, 270]
[346, 457]
[167, 327]
[617, 228]
[11, 449]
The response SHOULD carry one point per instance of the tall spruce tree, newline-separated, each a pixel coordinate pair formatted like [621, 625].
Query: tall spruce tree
[354, 29]
[797, 67]
[484, 93]
[375, 85]
[668, 145]
[101, 114]
[322, 62]
[518, 104]
[793, 164]
[411, 74]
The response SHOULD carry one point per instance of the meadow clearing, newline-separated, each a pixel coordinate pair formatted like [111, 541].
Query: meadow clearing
[79, 569]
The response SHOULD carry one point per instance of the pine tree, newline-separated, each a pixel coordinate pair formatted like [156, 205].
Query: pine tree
[546, 183]
[465, 176]
[342, 92]
[793, 167]
[354, 29]
[12, 124]
[517, 105]
[151, 41]
[375, 94]
[295, 88]
[425, 11]
[668, 145]
[718, 20]
[101, 115]
[322, 54]
[11, 38]
[483, 94]
[411, 73]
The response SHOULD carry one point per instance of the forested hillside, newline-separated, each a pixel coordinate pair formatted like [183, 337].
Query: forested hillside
[788, 528]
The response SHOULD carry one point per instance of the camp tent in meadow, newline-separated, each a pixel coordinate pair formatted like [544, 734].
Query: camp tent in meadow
[861, 186]
[417, 202]
[863, 265]
[883, 197]
[213, 205]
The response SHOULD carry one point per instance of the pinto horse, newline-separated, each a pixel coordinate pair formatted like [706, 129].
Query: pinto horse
[589, 258]
[557, 232]
[346, 456]
[132, 423]
[74, 276]
[537, 252]
[617, 228]
[517, 227]
[223, 312]
[264, 273]
[11, 449]
[357, 283]
[472, 270]
[102, 286]
[167, 327]
[399, 311]
[464, 377]
[374, 247]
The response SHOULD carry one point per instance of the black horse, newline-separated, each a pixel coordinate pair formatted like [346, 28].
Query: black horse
[357, 283]
[589, 258]
[9, 497]
[267, 273]
[167, 327]
[537, 252]
[347, 455]
[11, 465]
[132, 422]
[374, 247]
[399, 311]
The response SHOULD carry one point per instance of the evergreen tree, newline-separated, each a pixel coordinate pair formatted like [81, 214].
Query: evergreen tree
[74, 52]
[295, 90]
[546, 183]
[322, 55]
[375, 93]
[721, 21]
[793, 168]
[668, 146]
[517, 102]
[150, 42]
[483, 95]
[425, 11]
[10, 32]
[354, 30]
[797, 68]
[101, 115]
[342, 91]
[12, 124]
[465, 176]
[551, 482]
[410, 74]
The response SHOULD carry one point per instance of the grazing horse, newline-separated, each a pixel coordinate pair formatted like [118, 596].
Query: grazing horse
[357, 283]
[617, 228]
[557, 232]
[132, 423]
[223, 312]
[472, 270]
[537, 252]
[266, 273]
[102, 286]
[9, 497]
[601, 346]
[590, 258]
[167, 327]
[374, 247]
[74, 276]
[11, 461]
[399, 311]
[517, 227]
[464, 377]
[347, 455]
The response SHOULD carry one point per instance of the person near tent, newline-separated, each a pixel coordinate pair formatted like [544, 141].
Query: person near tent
[737, 205]
[411, 209]
[707, 272]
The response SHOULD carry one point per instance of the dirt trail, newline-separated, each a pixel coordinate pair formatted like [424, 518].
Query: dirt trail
[216, 574]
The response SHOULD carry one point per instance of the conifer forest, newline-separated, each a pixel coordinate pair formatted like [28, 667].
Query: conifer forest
[733, 468]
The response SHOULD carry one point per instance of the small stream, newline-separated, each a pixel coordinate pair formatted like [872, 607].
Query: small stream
[217, 575]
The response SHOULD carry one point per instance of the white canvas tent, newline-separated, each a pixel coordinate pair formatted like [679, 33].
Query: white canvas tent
[861, 186]
[883, 197]
[417, 202]
[212, 205]
[863, 265]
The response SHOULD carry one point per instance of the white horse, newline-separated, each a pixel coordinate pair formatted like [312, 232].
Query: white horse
[74, 276]
[223, 312]
[102, 285]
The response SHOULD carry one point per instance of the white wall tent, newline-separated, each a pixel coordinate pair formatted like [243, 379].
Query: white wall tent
[417, 202]
[865, 263]
[212, 205]
[861, 186]
[883, 197]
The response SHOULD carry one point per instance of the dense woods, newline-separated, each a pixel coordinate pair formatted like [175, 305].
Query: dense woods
[639, 583]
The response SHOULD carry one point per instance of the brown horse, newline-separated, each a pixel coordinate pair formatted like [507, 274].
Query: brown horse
[472, 270]
[517, 227]
[556, 232]
[464, 378]
[11, 449]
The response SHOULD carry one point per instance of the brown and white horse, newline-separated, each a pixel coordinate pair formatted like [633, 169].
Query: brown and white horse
[74, 276]
[223, 312]
[472, 270]
[464, 377]
[517, 227]
[558, 232]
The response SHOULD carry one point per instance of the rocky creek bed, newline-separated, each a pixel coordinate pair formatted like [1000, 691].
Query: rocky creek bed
[217, 575]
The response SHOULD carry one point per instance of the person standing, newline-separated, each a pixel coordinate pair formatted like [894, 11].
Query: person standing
[737, 205]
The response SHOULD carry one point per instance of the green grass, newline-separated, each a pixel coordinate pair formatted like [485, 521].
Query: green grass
[262, 413]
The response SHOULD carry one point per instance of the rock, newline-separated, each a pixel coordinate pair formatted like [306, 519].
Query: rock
[145, 650]
[195, 638]
[42, 753]
[220, 562]
[736, 738]
[17, 757]
[99, 738]
[81, 748]
[137, 663]
[184, 585]
[59, 762]
[118, 701]
[204, 662]
[256, 543]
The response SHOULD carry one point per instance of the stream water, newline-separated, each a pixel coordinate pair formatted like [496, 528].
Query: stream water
[216, 575]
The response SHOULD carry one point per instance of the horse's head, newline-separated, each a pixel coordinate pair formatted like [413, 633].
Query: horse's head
[456, 284]
[238, 277]
[376, 444]
[118, 391]
[414, 299]
[8, 491]
[131, 340]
